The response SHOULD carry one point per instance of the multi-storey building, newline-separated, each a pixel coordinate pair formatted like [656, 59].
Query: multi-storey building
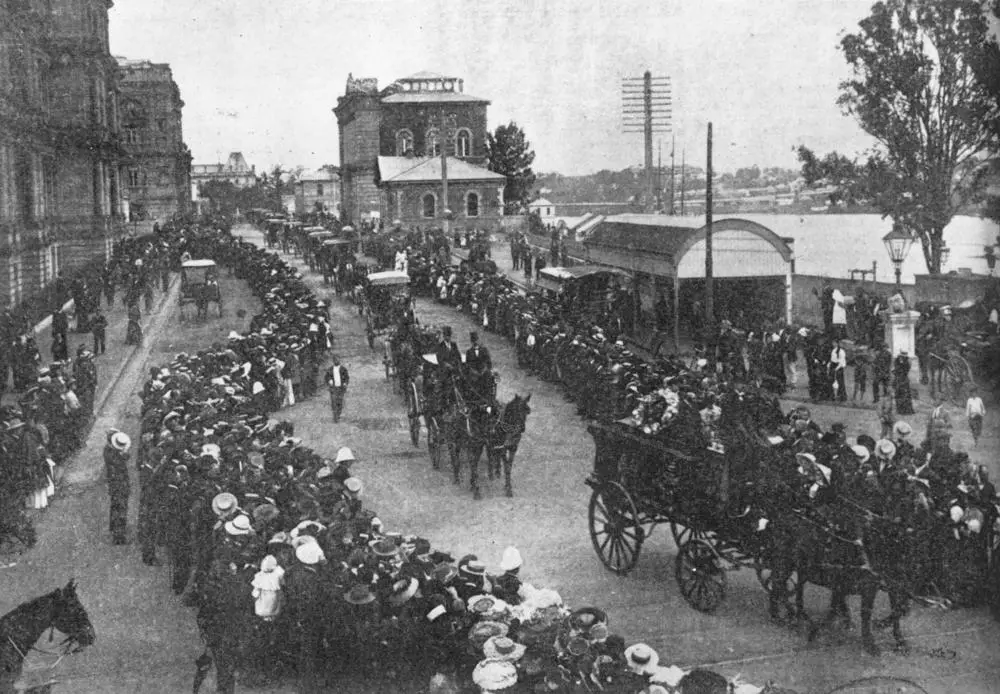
[61, 203]
[158, 166]
[390, 152]
[235, 171]
[318, 191]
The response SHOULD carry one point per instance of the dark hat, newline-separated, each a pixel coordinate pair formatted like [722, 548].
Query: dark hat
[474, 336]
[446, 331]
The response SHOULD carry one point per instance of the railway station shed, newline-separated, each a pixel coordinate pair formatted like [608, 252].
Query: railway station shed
[752, 265]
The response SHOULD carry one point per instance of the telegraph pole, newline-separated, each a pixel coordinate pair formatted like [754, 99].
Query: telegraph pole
[672, 147]
[659, 184]
[709, 293]
[646, 108]
[683, 172]
[443, 139]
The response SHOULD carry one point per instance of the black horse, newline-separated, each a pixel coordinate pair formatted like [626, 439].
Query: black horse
[498, 433]
[22, 627]
[820, 555]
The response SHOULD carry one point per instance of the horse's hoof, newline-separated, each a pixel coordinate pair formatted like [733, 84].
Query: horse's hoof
[509, 492]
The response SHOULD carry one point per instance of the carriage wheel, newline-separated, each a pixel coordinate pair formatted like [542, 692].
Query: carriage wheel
[700, 577]
[956, 379]
[615, 531]
[415, 429]
[683, 533]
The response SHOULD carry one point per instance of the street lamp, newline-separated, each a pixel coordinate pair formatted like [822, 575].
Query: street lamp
[898, 243]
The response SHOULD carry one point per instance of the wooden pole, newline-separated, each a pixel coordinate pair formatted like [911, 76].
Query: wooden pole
[672, 143]
[709, 289]
[647, 84]
[443, 140]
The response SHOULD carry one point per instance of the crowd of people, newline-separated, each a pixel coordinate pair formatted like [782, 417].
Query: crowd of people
[264, 532]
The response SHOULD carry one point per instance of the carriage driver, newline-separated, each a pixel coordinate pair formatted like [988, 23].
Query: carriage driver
[479, 372]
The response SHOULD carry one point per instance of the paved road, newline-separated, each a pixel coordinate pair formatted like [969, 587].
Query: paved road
[547, 521]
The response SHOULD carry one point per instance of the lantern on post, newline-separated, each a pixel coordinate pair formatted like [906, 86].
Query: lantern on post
[897, 243]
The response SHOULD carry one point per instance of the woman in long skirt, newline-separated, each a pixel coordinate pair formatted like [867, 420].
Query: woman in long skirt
[901, 379]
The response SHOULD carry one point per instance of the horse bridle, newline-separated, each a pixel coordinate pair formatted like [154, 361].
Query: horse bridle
[69, 645]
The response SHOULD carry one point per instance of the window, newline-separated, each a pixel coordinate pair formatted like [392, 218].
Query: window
[432, 143]
[404, 143]
[472, 205]
[319, 189]
[463, 143]
[133, 178]
[429, 204]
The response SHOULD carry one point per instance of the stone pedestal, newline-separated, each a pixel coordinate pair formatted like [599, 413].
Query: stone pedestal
[901, 333]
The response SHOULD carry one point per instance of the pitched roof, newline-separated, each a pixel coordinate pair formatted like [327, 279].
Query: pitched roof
[427, 75]
[660, 234]
[418, 97]
[540, 202]
[418, 169]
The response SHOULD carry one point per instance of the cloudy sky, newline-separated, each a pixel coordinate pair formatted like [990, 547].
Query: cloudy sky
[261, 76]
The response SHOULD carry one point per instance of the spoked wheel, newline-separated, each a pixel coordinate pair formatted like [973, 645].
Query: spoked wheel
[615, 530]
[683, 533]
[371, 338]
[957, 379]
[415, 429]
[700, 576]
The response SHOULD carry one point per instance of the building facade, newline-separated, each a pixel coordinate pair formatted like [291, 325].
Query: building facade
[391, 143]
[158, 163]
[235, 170]
[318, 191]
[61, 192]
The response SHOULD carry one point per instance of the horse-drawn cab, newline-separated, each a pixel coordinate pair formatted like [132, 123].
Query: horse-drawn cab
[582, 291]
[331, 257]
[315, 237]
[386, 300]
[200, 286]
[274, 228]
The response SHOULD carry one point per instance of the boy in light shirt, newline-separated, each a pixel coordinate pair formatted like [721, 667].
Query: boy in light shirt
[975, 410]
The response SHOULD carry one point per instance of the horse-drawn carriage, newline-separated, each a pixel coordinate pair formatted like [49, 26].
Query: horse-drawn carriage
[385, 301]
[332, 258]
[274, 228]
[315, 237]
[739, 509]
[200, 286]
[955, 346]
[582, 291]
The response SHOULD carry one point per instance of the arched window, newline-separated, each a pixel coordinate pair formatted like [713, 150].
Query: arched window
[463, 143]
[472, 205]
[404, 143]
[432, 143]
[429, 205]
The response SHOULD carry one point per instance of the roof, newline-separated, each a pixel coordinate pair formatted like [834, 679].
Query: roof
[659, 234]
[318, 175]
[426, 75]
[540, 202]
[579, 271]
[198, 263]
[421, 97]
[422, 169]
[388, 277]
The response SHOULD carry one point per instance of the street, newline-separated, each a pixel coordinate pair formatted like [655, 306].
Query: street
[147, 641]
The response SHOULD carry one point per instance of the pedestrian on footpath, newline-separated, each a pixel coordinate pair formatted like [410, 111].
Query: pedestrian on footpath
[337, 379]
[133, 333]
[60, 324]
[838, 366]
[116, 453]
[886, 416]
[862, 365]
[99, 327]
[975, 410]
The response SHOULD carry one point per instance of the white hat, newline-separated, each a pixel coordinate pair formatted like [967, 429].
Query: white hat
[354, 486]
[863, 453]
[121, 441]
[233, 335]
[641, 658]
[240, 525]
[258, 388]
[211, 449]
[494, 675]
[309, 553]
[511, 559]
[344, 455]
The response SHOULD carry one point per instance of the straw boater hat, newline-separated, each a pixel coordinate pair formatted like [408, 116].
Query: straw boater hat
[265, 513]
[494, 675]
[885, 449]
[384, 548]
[861, 452]
[240, 525]
[901, 429]
[223, 504]
[641, 659]
[354, 486]
[359, 594]
[503, 648]
[483, 631]
[120, 441]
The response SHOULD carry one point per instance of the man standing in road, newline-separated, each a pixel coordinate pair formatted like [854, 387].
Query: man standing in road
[99, 326]
[116, 468]
[838, 366]
[337, 379]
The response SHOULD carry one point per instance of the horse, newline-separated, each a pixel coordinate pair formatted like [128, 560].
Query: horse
[819, 555]
[498, 433]
[23, 626]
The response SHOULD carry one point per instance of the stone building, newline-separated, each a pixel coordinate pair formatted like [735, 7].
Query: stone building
[390, 147]
[61, 202]
[235, 170]
[318, 191]
[158, 165]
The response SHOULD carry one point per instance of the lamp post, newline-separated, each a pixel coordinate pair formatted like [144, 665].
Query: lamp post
[897, 243]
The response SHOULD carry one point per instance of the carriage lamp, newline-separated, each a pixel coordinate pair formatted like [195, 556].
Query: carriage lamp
[898, 243]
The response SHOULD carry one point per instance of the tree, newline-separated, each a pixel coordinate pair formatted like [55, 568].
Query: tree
[987, 70]
[510, 154]
[914, 90]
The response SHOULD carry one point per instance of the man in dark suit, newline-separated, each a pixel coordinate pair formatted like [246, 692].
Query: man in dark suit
[448, 354]
[477, 357]
[337, 379]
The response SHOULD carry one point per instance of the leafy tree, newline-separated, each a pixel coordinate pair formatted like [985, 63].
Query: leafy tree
[510, 154]
[914, 90]
[987, 70]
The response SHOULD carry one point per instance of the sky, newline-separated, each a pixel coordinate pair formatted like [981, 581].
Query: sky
[262, 77]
